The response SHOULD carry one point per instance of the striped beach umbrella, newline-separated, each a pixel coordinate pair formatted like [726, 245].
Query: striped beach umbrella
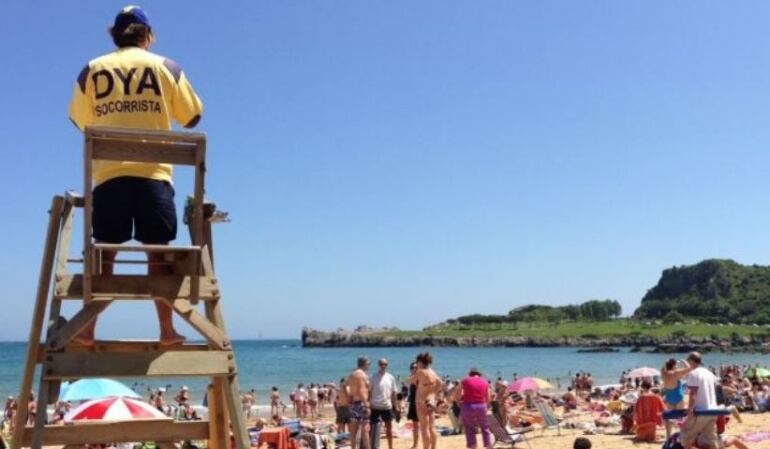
[114, 408]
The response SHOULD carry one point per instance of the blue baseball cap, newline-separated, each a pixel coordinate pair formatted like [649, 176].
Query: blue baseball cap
[130, 15]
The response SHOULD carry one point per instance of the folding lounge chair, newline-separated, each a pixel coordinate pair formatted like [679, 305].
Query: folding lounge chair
[293, 425]
[502, 435]
[549, 419]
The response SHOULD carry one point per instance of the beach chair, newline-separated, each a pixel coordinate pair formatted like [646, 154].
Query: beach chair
[549, 418]
[191, 288]
[293, 425]
[503, 435]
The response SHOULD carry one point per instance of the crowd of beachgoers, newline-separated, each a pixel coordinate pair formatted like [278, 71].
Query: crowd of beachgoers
[685, 403]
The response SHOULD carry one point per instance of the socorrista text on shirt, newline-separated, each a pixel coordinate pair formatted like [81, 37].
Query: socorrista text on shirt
[132, 87]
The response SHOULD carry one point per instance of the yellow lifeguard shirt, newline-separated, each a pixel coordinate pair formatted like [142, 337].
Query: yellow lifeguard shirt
[133, 88]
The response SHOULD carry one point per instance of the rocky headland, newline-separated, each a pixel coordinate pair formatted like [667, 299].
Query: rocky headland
[369, 337]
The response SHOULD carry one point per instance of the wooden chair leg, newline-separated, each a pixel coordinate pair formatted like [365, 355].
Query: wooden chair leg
[38, 316]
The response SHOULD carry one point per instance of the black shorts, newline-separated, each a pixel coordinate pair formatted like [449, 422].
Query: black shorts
[377, 414]
[129, 207]
[343, 414]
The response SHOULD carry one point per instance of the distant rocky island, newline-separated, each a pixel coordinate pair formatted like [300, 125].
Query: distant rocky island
[671, 344]
[715, 305]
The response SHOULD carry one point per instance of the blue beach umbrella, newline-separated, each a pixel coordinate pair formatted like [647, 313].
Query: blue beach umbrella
[95, 388]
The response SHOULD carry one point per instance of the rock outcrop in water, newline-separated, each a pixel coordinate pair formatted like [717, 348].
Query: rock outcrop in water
[368, 337]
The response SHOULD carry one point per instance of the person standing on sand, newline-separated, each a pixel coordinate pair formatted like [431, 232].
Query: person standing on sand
[429, 386]
[474, 396]
[275, 401]
[134, 88]
[411, 413]
[160, 402]
[299, 397]
[701, 384]
[500, 406]
[383, 404]
[312, 400]
[342, 408]
[247, 401]
[674, 387]
[357, 389]
[9, 412]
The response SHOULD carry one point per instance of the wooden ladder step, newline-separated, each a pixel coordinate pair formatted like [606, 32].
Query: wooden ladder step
[135, 286]
[147, 248]
[121, 346]
[119, 432]
[169, 362]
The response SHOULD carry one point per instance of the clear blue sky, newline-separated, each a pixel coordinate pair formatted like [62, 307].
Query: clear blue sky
[400, 162]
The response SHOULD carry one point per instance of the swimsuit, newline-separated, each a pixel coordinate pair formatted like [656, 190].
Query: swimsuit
[675, 395]
[359, 412]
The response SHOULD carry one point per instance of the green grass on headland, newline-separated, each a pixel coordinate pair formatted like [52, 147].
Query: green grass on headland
[586, 329]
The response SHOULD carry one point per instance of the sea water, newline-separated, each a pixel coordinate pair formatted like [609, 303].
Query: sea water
[263, 364]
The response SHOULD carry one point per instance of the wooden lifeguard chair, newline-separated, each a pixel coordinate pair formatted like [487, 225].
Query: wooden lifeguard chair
[193, 280]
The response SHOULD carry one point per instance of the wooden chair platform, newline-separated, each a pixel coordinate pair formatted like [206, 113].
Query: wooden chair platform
[191, 280]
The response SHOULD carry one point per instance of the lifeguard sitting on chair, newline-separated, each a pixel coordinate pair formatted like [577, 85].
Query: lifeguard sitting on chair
[134, 88]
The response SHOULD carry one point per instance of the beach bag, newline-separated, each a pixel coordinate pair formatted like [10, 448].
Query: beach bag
[673, 442]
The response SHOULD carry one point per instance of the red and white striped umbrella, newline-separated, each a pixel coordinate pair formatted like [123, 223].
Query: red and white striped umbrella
[114, 408]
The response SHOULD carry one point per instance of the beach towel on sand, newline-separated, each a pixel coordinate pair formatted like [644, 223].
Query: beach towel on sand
[756, 437]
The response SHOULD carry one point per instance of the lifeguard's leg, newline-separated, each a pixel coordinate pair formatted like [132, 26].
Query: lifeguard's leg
[87, 335]
[168, 335]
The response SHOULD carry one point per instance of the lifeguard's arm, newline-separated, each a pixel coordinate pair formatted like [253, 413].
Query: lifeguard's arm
[186, 107]
[81, 105]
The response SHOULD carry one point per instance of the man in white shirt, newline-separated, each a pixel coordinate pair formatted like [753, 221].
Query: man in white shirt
[701, 384]
[383, 399]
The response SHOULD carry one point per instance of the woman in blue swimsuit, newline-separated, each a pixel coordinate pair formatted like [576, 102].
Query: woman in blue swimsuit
[674, 386]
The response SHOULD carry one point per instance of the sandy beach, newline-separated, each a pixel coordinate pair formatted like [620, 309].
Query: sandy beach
[551, 439]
